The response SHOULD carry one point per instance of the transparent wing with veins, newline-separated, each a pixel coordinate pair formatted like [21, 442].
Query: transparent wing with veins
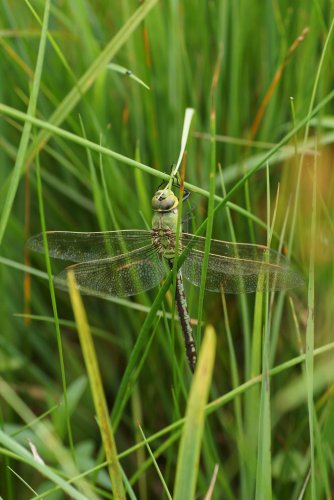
[121, 263]
[238, 267]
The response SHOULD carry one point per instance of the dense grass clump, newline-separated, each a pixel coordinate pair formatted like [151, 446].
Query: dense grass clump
[92, 103]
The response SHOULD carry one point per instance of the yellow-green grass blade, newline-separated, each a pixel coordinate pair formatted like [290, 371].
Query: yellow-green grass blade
[190, 445]
[95, 380]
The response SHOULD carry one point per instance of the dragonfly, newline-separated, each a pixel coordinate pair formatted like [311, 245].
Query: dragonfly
[126, 262]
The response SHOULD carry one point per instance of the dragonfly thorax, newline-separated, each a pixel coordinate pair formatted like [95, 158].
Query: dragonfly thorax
[164, 240]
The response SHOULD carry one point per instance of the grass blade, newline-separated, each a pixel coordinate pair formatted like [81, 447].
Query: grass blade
[27, 457]
[21, 154]
[190, 446]
[309, 359]
[89, 77]
[127, 72]
[94, 376]
[156, 466]
[211, 203]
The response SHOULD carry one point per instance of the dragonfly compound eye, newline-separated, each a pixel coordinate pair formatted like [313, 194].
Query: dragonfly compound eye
[164, 200]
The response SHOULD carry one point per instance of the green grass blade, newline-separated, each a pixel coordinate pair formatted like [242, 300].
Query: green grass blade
[44, 434]
[54, 303]
[185, 133]
[155, 463]
[21, 153]
[95, 380]
[263, 473]
[309, 359]
[89, 77]
[190, 445]
[48, 126]
[23, 455]
[97, 191]
[253, 396]
[211, 203]
[127, 72]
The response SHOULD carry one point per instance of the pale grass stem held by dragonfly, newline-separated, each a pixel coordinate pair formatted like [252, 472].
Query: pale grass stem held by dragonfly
[127, 262]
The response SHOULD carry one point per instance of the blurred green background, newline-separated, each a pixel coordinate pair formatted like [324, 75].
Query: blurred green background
[269, 81]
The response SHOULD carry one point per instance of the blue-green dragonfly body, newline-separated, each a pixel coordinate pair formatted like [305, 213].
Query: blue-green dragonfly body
[127, 262]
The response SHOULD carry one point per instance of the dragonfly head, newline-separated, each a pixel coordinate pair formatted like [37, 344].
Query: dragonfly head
[164, 200]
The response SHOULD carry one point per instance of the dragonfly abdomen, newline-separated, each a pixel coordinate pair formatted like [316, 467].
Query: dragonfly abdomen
[182, 308]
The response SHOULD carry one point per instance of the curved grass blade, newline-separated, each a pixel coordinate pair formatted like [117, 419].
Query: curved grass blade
[127, 72]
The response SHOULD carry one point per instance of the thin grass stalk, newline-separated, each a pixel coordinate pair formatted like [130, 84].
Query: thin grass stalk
[137, 412]
[242, 298]
[144, 202]
[241, 441]
[54, 305]
[158, 452]
[263, 473]
[97, 191]
[322, 461]
[211, 203]
[309, 358]
[155, 463]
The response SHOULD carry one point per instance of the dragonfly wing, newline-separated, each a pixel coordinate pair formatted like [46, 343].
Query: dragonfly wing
[83, 247]
[123, 275]
[238, 267]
